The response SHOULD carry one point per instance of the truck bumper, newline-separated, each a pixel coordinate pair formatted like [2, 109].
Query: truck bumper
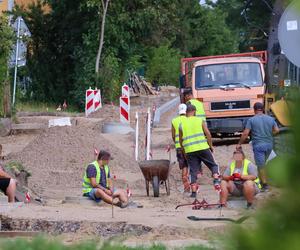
[227, 126]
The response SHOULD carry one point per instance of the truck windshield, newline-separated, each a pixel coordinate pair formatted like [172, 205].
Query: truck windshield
[229, 74]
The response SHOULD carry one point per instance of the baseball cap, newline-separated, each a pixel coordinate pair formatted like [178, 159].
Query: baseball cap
[182, 109]
[190, 107]
[258, 106]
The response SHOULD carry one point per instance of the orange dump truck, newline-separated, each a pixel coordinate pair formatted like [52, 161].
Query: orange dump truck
[228, 86]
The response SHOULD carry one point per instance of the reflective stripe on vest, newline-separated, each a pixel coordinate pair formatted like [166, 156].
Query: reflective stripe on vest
[245, 170]
[86, 184]
[176, 123]
[193, 138]
[199, 108]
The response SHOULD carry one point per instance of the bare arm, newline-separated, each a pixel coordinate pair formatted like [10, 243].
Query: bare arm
[207, 134]
[226, 177]
[4, 174]
[244, 136]
[180, 139]
[173, 133]
[248, 177]
[275, 130]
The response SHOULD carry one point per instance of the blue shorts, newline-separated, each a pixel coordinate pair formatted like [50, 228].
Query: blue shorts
[261, 153]
[92, 195]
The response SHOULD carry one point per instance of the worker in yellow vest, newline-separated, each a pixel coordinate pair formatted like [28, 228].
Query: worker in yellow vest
[183, 166]
[196, 142]
[97, 184]
[240, 178]
[189, 99]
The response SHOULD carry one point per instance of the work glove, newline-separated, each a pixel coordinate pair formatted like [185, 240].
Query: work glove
[217, 184]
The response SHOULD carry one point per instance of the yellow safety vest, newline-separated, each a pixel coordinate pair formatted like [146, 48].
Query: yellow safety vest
[86, 185]
[176, 123]
[245, 170]
[199, 108]
[193, 138]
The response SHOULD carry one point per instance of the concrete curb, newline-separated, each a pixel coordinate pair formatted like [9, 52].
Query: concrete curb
[164, 108]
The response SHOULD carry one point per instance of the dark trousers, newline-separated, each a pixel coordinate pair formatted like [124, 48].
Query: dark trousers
[194, 161]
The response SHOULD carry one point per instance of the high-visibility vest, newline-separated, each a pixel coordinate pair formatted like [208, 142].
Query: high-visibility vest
[245, 170]
[193, 138]
[199, 108]
[86, 185]
[176, 123]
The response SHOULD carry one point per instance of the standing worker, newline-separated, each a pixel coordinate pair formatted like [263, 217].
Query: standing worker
[196, 142]
[189, 99]
[97, 184]
[183, 166]
[262, 128]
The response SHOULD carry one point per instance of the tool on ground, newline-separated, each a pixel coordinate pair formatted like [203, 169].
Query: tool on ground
[196, 205]
[238, 221]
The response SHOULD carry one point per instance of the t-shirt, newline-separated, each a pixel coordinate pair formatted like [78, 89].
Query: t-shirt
[261, 127]
[91, 172]
[252, 170]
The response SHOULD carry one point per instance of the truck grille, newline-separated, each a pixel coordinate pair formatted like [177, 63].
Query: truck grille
[230, 105]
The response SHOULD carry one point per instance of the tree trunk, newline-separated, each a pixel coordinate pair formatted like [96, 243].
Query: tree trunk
[101, 42]
[6, 99]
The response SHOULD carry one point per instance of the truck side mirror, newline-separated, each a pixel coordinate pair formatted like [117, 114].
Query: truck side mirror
[182, 81]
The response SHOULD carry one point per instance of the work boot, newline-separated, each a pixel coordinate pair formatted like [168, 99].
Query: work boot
[193, 195]
[265, 188]
[250, 206]
[217, 184]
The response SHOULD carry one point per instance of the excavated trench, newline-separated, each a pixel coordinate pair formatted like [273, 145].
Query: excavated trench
[102, 229]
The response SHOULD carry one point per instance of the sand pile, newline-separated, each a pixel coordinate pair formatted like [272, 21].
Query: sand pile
[57, 158]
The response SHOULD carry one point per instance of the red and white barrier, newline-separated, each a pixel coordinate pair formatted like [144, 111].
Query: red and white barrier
[97, 99]
[89, 102]
[124, 110]
[125, 91]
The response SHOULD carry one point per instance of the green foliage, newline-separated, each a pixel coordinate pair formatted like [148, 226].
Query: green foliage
[164, 65]
[250, 27]
[64, 44]
[41, 243]
[6, 42]
[278, 224]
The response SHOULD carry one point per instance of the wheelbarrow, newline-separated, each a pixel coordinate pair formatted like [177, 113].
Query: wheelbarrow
[156, 171]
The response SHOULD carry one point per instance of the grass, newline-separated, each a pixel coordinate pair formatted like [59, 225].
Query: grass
[40, 243]
[41, 107]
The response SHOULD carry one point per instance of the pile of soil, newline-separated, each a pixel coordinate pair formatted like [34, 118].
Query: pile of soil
[57, 158]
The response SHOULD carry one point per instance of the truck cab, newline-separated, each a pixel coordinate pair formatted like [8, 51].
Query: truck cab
[228, 86]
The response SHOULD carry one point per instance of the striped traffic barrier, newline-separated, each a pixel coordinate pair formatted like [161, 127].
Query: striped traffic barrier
[97, 99]
[89, 102]
[125, 91]
[124, 110]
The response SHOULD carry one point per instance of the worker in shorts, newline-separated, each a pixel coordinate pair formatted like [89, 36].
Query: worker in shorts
[183, 166]
[97, 184]
[7, 185]
[196, 142]
[240, 179]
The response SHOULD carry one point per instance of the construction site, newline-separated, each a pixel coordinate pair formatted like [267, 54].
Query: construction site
[165, 141]
[53, 161]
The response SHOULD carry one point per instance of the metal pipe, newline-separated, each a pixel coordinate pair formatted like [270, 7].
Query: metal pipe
[137, 136]
[148, 134]
[16, 61]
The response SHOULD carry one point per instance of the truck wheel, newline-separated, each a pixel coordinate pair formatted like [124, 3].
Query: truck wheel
[155, 184]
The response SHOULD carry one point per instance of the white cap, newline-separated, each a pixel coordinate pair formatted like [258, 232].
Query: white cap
[182, 109]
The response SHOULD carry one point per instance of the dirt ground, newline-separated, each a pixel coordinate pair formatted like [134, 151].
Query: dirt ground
[56, 158]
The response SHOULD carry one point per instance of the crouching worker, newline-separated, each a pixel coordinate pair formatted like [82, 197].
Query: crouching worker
[97, 184]
[7, 185]
[240, 178]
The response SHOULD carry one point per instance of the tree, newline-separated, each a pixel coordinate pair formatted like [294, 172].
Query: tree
[101, 42]
[6, 42]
